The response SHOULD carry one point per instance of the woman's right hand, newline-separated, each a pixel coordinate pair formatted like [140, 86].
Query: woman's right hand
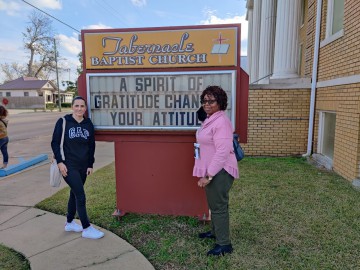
[62, 168]
[203, 181]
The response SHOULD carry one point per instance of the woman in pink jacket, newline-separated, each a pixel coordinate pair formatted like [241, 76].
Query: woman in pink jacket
[216, 165]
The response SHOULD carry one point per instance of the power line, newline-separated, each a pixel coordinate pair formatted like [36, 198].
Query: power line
[112, 10]
[51, 16]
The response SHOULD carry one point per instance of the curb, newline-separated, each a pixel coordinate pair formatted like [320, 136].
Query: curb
[23, 164]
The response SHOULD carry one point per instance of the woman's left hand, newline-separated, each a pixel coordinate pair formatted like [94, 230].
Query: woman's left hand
[89, 171]
[203, 181]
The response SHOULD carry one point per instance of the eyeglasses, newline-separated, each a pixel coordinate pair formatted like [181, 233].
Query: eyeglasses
[208, 101]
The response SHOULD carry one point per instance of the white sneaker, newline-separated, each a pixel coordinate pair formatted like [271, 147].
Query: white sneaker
[73, 227]
[92, 233]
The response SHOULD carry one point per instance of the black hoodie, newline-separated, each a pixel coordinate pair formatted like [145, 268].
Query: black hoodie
[79, 142]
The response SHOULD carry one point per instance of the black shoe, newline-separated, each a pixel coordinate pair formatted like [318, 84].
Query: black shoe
[206, 235]
[220, 250]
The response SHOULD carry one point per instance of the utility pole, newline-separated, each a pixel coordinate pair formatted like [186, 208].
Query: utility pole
[68, 69]
[57, 76]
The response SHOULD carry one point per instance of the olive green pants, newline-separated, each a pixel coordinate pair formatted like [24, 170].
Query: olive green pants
[217, 194]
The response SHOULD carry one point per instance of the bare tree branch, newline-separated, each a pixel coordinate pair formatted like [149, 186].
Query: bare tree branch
[12, 71]
[38, 39]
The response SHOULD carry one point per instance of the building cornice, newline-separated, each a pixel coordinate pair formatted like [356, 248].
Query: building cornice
[339, 81]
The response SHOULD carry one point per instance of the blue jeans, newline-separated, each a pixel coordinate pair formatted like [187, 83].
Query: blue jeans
[3, 147]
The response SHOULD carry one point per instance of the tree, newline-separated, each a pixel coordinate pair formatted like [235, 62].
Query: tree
[80, 68]
[12, 71]
[70, 86]
[39, 43]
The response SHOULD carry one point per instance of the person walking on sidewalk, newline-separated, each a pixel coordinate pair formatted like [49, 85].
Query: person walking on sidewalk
[79, 150]
[216, 165]
[4, 139]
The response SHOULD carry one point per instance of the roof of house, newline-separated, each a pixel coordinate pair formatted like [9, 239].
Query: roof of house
[25, 83]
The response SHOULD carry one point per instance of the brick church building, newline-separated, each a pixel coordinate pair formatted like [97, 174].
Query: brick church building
[304, 94]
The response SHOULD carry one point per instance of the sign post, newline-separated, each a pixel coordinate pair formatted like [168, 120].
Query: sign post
[143, 89]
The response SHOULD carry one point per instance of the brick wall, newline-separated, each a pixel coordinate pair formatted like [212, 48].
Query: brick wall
[278, 118]
[303, 35]
[278, 122]
[344, 100]
[310, 37]
[340, 58]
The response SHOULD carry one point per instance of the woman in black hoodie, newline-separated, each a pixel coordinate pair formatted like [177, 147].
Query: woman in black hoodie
[79, 150]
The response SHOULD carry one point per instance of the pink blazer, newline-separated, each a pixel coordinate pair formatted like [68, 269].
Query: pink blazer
[215, 137]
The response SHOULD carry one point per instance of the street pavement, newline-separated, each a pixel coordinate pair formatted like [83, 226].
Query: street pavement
[40, 235]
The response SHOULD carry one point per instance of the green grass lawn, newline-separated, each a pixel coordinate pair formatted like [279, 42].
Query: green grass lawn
[285, 214]
[12, 260]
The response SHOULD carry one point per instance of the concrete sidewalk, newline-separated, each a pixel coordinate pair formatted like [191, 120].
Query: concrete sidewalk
[40, 235]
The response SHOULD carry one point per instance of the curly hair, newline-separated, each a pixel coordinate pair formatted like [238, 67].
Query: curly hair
[3, 111]
[218, 93]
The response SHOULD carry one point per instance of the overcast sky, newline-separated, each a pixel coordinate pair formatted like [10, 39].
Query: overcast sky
[98, 14]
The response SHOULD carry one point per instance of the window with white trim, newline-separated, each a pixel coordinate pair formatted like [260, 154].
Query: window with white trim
[302, 18]
[335, 17]
[26, 94]
[301, 58]
[326, 138]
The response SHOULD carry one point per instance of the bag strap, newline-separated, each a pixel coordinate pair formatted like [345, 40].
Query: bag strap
[3, 122]
[62, 139]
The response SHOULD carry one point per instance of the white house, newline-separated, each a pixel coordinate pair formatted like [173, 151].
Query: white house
[29, 87]
[34, 87]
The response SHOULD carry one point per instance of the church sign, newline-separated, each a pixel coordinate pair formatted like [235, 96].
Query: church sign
[153, 101]
[143, 88]
[151, 79]
[204, 47]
